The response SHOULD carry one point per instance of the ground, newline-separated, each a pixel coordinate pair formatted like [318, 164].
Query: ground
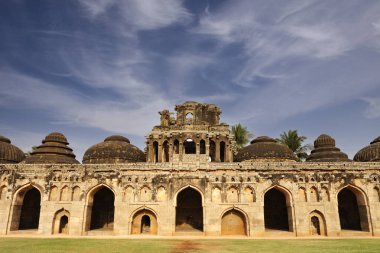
[42, 245]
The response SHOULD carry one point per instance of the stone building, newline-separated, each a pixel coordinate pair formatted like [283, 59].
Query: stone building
[191, 181]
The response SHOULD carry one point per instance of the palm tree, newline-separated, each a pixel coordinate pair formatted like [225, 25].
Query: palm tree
[29, 153]
[294, 142]
[241, 135]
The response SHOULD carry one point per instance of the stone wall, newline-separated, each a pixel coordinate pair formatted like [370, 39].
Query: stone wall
[237, 189]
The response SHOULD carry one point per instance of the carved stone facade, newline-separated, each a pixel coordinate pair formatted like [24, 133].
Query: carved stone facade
[194, 136]
[178, 192]
[221, 199]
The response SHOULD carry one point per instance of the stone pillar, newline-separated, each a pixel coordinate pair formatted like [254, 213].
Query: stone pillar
[181, 151]
[171, 150]
[151, 152]
[159, 152]
[217, 151]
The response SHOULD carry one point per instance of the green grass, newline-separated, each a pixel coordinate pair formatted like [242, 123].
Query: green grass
[29, 245]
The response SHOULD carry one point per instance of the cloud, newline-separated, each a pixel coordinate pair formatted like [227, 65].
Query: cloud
[139, 15]
[304, 52]
[373, 109]
[67, 106]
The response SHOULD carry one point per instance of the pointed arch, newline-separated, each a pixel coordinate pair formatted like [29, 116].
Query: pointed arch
[61, 222]
[278, 209]
[189, 209]
[249, 195]
[145, 193]
[76, 193]
[234, 221]
[353, 208]
[100, 208]
[65, 193]
[144, 221]
[26, 207]
[314, 194]
[317, 223]
[54, 193]
[216, 196]
[232, 194]
[302, 194]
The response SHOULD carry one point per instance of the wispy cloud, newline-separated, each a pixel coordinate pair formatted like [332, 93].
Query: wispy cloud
[139, 15]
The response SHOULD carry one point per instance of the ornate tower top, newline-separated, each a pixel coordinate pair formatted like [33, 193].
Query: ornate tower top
[193, 134]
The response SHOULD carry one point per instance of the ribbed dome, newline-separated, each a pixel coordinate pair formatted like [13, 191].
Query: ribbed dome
[114, 149]
[325, 151]
[370, 153]
[10, 153]
[264, 148]
[53, 150]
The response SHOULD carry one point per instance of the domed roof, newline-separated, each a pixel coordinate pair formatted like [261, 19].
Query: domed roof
[54, 149]
[9, 153]
[370, 153]
[264, 148]
[325, 151]
[114, 149]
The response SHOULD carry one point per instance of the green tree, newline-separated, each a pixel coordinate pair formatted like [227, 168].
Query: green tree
[241, 135]
[295, 143]
[29, 153]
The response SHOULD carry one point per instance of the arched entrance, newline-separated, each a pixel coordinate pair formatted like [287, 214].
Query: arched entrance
[233, 223]
[61, 222]
[189, 211]
[63, 225]
[277, 210]
[144, 222]
[352, 210]
[26, 210]
[101, 209]
[317, 223]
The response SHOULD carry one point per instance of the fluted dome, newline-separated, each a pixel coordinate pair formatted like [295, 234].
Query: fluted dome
[370, 153]
[325, 151]
[54, 149]
[10, 153]
[114, 149]
[264, 148]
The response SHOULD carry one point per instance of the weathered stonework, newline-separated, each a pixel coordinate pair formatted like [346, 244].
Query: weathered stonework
[308, 188]
[185, 193]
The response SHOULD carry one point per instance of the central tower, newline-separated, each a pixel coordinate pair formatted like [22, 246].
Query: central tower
[194, 135]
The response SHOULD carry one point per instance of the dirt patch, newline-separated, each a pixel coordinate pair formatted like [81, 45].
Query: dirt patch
[187, 246]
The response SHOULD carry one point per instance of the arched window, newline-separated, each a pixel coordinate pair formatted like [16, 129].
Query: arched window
[155, 151]
[176, 147]
[165, 153]
[222, 151]
[202, 147]
[190, 147]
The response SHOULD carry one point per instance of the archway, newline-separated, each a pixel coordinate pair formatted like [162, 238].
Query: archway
[233, 223]
[61, 222]
[144, 222]
[63, 225]
[101, 209]
[212, 151]
[29, 209]
[190, 147]
[317, 223]
[189, 211]
[222, 151]
[155, 152]
[352, 210]
[277, 210]
[165, 151]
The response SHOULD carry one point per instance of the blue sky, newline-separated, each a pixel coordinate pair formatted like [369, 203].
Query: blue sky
[92, 68]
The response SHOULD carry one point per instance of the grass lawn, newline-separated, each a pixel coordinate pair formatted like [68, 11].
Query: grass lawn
[29, 245]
